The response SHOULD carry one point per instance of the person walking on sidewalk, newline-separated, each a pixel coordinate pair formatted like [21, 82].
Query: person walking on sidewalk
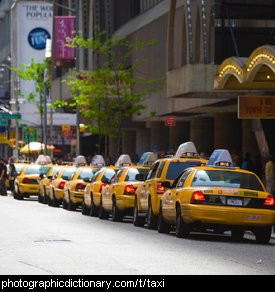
[12, 175]
[3, 176]
[269, 175]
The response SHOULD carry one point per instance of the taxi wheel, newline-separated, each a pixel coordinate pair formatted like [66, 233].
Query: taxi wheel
[263, 234]
[102, 214]
[237, 234]
[64, 204]
[40, 199]
[55, 202]
[93, 209]
[85, 209]
[138, 221]
[163, 227]
[152, 220]
[45, 197]
[182, 229]
[116, 213]
[71, 206]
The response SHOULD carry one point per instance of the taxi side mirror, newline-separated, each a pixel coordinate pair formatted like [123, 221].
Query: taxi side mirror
[42, 175]
[140, 177]
[87, 179]
[49, 177]
[166, 184]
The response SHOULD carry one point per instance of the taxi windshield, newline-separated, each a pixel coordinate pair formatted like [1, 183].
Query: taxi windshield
[33, 170]
[177, 167]
[132, 172]
[87, 173]
[45, 169]
[227, 179]
[68, 173]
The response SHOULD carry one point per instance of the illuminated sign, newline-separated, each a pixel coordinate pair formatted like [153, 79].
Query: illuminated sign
[256, 107]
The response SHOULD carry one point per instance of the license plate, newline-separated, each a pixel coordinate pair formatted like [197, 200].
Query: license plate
[234, 202]
[253, 217]
[33, 189]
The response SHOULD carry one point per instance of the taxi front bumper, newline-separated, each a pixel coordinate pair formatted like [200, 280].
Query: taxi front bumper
[206, 214]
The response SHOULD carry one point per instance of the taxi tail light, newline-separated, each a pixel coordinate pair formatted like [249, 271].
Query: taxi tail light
[80, 187]
[269, 201]
[102, 187]
[26, 180]
[62, 185]
[129, 190]
[198, 197]
[160, 188]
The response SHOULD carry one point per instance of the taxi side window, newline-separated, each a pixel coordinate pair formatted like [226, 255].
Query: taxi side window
[96, 176]
[183, 179]
[153, 171]
[117, 176]
[160, 169]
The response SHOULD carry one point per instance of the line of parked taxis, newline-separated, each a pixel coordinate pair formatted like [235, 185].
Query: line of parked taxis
[184, 193]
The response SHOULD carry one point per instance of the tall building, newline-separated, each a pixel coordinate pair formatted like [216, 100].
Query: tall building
[193, 37]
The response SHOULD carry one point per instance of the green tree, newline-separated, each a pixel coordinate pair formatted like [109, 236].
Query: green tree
[34, 72]
[113, 91]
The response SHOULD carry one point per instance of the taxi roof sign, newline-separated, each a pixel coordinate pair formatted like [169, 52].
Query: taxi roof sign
[220, 158]
[187, 149]
[98, 161]
[80, 161]
[123, 160]
[147, 158]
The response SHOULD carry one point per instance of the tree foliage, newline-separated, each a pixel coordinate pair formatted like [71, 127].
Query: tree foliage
[112, 92]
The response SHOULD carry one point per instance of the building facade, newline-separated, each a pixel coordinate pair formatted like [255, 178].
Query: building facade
[193, 37]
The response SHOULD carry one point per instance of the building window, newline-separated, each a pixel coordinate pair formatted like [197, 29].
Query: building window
[148, 4]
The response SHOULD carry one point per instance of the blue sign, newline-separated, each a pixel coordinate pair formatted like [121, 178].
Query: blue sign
[37, 38]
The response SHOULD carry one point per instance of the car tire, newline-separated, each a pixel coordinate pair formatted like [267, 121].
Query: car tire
[85, 210]
[182, 229]
[116, 213]
[163, 227]
[102, 214]
[237, 234]
[138, 221]
[263, 234]
[152, 219]
[64, 204]
[93, 209]
[55, 202]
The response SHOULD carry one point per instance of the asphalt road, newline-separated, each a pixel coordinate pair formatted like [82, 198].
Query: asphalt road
[37, 239]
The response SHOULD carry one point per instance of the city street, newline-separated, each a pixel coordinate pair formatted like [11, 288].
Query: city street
[37, 239]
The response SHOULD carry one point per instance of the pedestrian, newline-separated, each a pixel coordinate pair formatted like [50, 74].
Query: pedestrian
[248, 164]
[269, 174]
[3, 176]
[12, 175]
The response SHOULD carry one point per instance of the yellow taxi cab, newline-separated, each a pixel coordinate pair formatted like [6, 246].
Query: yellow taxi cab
[26, 183]
[56, 189]
[148, 194]
[118, 197]
[44, 184]
[220, 197]
[18, 167]
[74, 189]
[92, 192]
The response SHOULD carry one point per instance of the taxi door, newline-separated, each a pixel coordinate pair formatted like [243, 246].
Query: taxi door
[150, 187]
[110, 190]
[176, 193]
